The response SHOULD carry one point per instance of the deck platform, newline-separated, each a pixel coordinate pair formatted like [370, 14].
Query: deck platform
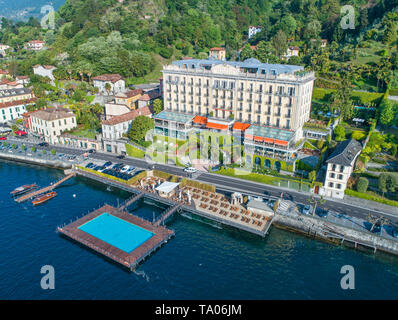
[129, 260]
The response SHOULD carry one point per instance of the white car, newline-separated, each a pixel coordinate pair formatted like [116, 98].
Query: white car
[190, 169]
[124, 169]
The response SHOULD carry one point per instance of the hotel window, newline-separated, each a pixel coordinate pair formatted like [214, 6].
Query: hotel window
[340, 177]
[240, 116]
[250, 118]
[288, 124]
[338, 186]
[331, 184]
[334, 167]
[277, 122]
[332, 175]
[258, 119]
[53, 124]
[268, 121]
[341, 168]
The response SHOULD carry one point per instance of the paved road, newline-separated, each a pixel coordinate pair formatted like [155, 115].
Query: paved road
[228, 183]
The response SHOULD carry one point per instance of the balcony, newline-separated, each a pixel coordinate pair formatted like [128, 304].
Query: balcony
[258, 111]
[248, 110]
[288, 116]
[277, 114]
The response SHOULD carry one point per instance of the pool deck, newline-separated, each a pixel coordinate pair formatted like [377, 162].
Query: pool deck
[129, 260]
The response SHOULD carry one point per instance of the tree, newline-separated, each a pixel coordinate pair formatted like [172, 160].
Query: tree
[388, 182]
[53, 152]
[339, 132]
[387, 113]
[280, 43]
[246, 52]
[140, 126]
[362, 184]
[108, 87]
[315, 202]
[157, 106]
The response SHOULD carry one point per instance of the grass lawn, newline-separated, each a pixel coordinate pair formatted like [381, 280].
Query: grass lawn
[134, 152]
[82, 132]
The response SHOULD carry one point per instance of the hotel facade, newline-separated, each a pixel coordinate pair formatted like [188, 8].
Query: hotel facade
[267, 104]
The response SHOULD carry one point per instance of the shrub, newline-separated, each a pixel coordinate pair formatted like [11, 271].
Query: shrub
[362, 184]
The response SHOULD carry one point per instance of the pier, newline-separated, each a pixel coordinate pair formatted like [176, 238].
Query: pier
[131, 200]
[166, 215]
[44, 190]
[126, 259]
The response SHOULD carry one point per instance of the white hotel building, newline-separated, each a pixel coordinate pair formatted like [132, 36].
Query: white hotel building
[269, 103]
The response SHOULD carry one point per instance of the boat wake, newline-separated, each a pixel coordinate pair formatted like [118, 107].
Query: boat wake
[142, 274]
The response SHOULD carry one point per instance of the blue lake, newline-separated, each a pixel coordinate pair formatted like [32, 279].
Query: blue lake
[200, 262]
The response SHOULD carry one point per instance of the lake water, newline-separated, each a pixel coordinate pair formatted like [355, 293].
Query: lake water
[200, 262]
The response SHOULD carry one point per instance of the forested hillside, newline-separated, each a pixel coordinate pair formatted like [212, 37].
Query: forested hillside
[134, 38]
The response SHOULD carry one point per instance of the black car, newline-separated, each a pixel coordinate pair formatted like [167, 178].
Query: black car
[121, 156]
[91, 151]
[43, 144]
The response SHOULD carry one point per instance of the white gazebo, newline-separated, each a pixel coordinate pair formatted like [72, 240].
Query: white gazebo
[167, 189]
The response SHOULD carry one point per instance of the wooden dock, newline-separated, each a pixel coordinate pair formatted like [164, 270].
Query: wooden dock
[131, 200]
[129, 260]
[166, 215]
[44, 190]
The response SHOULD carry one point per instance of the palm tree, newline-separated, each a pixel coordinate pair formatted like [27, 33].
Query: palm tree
[315, 202]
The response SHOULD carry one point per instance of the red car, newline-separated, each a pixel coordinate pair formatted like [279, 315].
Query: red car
[3, 138]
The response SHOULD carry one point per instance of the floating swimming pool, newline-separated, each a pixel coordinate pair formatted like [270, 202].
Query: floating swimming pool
[117, 232]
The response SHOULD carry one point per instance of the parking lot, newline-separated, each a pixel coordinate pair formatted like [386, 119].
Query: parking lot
[118, 170]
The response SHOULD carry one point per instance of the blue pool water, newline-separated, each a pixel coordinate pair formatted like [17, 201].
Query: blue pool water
[117, 232]
[200, 262]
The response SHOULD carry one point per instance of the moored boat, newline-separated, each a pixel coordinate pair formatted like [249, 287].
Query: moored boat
[23, 189]
[43, 198]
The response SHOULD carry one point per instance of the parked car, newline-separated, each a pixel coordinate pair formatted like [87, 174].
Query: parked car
[107, 164]
[307, 209]
[121, 156]
[124, 169]
[190, 169]
[43, 144]
[395, 233]
[91, 151]
[3, 138]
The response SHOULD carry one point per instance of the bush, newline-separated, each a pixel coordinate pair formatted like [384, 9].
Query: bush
[366, 196]
[362, 184]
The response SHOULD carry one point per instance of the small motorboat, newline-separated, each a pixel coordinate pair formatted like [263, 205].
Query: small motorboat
[43, 198]
[23, 189]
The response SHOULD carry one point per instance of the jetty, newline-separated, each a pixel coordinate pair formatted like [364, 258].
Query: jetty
[167, 214]
[44, 190]
[131, 200]
[127, 259]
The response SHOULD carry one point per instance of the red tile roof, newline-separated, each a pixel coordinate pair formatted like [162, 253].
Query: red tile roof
[128, 116]
[217, 49]
[17, 103]
[130, 93]
[108, 77]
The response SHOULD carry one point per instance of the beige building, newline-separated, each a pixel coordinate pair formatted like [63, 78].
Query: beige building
[274, 98]
[50, 123]
[217, 53]
[339, 168]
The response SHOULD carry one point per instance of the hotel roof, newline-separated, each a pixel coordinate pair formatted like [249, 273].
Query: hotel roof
[108, 77]
[173, 116]
[250, 63]
[268, 132]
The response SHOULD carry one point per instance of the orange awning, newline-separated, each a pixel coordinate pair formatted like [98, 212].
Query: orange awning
[281, 142]
[269, 140]
[200, 120]
[248, 136]
[212, 125]
[259, 139]
[240, 126]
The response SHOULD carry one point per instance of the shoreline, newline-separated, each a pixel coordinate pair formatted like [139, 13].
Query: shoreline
[294, 225]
